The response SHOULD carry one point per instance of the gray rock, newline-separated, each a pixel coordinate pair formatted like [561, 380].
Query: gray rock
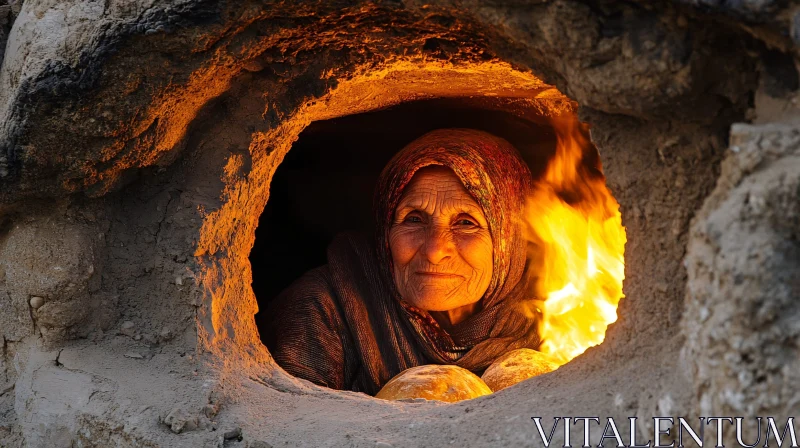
[179, 420]
[36, 302]
[127, 328]
[235, 433]
[165, 334]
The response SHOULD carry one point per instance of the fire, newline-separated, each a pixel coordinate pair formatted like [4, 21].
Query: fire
[576, 227]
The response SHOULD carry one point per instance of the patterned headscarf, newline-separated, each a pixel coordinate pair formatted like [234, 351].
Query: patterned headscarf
[490, 169]
[493, 172]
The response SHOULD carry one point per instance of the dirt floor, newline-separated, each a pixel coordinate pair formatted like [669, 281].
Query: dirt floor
[138, 141]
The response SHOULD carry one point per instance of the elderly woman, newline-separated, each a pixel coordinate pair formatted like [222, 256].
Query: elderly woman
[441, 283]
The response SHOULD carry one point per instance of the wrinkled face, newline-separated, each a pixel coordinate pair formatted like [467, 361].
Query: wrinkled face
[440, 243]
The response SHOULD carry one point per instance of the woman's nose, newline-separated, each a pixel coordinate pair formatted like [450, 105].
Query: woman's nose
[438, 245]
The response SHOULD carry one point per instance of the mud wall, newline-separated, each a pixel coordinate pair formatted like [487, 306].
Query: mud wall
[136, 149]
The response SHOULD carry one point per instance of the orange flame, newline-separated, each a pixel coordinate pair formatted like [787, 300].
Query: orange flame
[576, 227]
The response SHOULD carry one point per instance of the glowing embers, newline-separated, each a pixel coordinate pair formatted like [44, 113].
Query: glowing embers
[575, 223]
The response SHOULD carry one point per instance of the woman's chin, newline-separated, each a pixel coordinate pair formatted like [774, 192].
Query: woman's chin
[434, 304]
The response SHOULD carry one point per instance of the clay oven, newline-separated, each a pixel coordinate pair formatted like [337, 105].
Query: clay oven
[139, 142]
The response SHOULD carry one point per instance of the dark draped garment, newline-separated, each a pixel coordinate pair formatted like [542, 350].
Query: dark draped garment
[344, 325]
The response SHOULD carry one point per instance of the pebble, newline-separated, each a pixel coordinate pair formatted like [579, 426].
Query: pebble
[166, 334]
[233, 434]
[134, 355]
[127, 328]
[178, 281]
[180, 421]
[37, 302]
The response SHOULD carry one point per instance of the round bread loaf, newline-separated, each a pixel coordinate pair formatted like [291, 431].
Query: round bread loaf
[515, 366]
[434, 382]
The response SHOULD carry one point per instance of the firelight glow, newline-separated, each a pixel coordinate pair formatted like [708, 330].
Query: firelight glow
[576, 226]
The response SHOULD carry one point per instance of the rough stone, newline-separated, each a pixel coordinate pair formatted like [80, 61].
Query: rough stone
[165, 334]
[566, 40]
[55, 259]
[36, 302]
[127, 328]
[235, 433]
[179, 420]
[743, 330]
[138, 140]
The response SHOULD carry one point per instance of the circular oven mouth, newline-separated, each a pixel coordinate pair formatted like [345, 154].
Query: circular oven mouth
[572, 221]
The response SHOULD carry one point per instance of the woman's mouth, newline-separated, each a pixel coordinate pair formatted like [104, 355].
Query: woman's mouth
[442, 275]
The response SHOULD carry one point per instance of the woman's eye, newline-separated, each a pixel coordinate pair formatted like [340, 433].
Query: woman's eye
[412, 219]
[465, 222]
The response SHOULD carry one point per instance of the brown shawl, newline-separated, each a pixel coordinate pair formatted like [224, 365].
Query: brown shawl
[343, 325]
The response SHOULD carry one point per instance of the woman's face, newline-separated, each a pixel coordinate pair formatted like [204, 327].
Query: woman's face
[440, 243]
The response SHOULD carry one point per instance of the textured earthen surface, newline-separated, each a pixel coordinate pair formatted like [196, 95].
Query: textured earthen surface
[744, 333]
[138, 140]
